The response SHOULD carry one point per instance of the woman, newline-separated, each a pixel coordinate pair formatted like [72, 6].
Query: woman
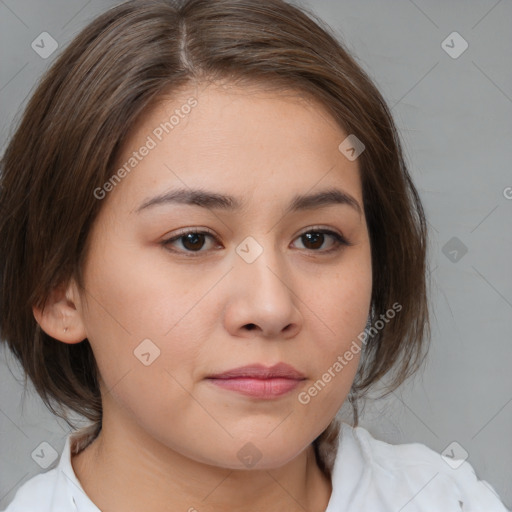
[213, 243]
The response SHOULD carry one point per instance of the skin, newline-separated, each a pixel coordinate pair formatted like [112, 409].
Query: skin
[170, 437]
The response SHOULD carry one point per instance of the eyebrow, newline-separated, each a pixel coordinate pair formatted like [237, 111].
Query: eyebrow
[213, 200]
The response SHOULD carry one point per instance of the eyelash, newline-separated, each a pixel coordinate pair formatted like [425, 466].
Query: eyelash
[340, 240]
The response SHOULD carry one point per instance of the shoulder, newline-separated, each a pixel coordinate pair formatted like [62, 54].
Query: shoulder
[415, 474]
[35, 494]
[57, 489]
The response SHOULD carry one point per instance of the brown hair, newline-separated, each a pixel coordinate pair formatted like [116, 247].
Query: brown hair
[72, 130]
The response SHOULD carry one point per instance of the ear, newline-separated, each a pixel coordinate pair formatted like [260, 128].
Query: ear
[61, 317]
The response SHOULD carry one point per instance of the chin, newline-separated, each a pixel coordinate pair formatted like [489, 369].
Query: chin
[254, 455]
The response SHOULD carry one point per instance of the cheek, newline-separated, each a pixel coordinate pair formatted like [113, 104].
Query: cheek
[138, 292]
[339, 307]
[133, 297]
[144, 340]
[342, 301]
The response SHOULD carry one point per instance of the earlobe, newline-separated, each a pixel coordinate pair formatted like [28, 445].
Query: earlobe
[61, 317]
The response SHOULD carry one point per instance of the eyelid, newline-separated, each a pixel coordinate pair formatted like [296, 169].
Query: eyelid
[325, 229]
[186, 231]
[339, 238]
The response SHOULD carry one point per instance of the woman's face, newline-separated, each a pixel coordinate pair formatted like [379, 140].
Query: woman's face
[259, 288]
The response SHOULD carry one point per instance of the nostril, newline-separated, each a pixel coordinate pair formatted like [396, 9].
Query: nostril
[251, 326]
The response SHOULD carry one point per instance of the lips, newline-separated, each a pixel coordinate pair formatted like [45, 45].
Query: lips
[259, 371]
[259, 381]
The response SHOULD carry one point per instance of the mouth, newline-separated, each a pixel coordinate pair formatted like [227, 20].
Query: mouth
[259, 381]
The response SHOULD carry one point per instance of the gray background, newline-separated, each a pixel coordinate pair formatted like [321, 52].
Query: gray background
[455, 117]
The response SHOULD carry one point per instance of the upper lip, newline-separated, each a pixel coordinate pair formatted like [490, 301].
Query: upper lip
[259, 371]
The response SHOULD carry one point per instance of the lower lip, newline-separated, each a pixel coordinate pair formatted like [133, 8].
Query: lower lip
[260, 388]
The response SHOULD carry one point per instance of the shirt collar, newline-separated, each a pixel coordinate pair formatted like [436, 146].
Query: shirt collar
[350, 474]
[69, 490]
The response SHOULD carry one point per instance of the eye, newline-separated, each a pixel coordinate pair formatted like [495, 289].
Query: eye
[192, 241]
[313, 239]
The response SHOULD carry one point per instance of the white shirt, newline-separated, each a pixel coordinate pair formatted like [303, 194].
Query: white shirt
[369, 475]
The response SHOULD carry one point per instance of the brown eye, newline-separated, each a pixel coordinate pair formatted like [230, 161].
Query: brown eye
[314, 240]
[191, 242]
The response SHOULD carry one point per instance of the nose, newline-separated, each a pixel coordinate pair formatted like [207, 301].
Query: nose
[262, 300]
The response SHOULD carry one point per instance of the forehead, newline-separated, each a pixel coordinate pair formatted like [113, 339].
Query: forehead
[239, 140]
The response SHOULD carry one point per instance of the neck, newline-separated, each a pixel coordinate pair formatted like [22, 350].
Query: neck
[126, 469]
